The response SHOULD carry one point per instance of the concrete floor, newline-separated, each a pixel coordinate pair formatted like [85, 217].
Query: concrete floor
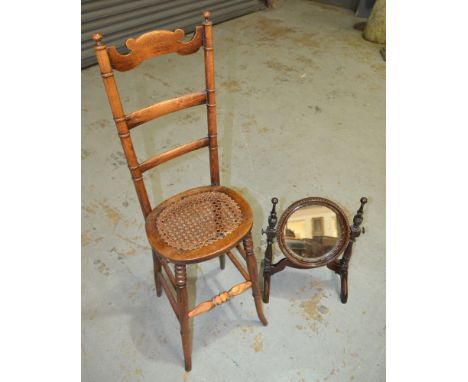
[301, 112]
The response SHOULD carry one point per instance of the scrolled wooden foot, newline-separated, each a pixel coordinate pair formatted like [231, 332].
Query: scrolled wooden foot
[340, 267]
[344, 287]
[252, 267]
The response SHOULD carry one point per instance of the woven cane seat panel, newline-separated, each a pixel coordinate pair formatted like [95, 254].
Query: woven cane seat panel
[198, 220]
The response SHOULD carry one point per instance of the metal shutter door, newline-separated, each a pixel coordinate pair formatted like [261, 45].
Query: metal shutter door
[118, 20]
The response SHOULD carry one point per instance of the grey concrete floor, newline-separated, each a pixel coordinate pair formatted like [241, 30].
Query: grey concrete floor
[301, 112]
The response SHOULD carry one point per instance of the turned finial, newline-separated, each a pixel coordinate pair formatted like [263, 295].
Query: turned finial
[363, 201]
[272, 219]
[274, 201]
[97, 37]
[207, 16]
[357, 220]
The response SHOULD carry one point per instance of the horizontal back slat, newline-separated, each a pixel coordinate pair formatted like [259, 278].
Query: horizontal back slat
[174, 153]
[165, 107]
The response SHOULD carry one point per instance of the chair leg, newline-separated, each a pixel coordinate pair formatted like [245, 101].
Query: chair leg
[157, 270]
[252, 267]
[222, 261]
[182, 300]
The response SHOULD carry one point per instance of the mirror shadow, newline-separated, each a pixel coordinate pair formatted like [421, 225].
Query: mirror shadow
[301, 284]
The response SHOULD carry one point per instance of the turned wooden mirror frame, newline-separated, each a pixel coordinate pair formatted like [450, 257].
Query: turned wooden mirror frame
[342, 239]
[343, 243]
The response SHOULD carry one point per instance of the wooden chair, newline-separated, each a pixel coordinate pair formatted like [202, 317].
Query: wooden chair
[198, 224]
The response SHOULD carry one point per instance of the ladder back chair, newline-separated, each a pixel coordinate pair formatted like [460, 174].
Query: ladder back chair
[198, 224]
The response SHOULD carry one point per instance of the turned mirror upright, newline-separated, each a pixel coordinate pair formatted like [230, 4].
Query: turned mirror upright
[311, 233]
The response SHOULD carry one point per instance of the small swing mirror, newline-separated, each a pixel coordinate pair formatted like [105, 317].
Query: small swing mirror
[311, 233]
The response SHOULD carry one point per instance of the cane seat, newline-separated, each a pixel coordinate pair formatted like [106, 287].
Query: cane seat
[198, 224]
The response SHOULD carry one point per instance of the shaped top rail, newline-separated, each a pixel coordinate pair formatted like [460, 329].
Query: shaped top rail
[153, 44]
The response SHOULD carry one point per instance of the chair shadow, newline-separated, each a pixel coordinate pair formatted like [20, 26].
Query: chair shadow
[151, 321]
[159, 327]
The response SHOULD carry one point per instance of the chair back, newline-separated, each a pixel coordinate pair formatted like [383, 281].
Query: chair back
[146, 46]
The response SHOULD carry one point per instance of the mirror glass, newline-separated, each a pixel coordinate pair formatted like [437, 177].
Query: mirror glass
[312, 231]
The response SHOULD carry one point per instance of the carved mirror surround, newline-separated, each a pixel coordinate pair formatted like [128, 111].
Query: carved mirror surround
[312, 232]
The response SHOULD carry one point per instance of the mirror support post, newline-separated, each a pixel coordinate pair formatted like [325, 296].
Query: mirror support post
[341, 266]
[267, 262]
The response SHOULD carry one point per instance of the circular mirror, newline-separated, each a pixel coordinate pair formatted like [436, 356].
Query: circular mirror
[312, 232]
